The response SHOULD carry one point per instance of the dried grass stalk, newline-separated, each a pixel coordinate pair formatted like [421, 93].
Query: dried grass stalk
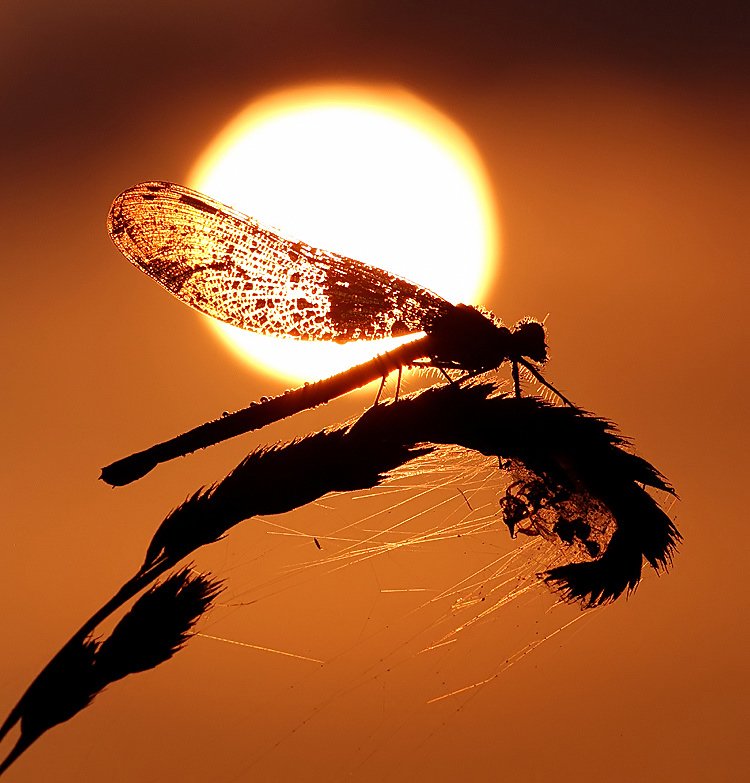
[158, 625]
[155, 628]
[571, 462]
[570, 450]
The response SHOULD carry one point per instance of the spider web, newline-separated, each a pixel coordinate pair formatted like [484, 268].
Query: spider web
[386, 594]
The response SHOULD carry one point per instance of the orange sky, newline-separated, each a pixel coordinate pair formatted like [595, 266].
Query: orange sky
[617, 145]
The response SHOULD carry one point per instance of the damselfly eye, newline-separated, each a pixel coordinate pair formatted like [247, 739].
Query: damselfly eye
[529, 339]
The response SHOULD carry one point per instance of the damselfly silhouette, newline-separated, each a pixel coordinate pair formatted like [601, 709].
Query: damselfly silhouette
[229, 266]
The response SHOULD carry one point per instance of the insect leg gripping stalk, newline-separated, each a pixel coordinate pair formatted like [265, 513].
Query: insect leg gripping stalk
[530, 367]
[260, 414]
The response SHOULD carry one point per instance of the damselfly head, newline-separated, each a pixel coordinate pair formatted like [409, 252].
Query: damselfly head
[530, 340]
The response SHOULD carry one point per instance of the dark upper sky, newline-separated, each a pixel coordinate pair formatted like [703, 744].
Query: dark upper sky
[79, 64]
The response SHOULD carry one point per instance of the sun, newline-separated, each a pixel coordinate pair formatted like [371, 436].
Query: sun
[374, 173]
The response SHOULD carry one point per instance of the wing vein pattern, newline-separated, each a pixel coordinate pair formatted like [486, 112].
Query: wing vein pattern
[231, 267]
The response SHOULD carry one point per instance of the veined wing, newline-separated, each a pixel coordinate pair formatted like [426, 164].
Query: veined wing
[229, 266]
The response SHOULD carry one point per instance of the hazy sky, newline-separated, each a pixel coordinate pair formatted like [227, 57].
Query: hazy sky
[616, 139]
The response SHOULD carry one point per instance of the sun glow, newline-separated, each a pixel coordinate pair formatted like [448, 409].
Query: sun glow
[375, 174]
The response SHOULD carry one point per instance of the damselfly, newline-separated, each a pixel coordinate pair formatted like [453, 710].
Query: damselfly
[231, 267]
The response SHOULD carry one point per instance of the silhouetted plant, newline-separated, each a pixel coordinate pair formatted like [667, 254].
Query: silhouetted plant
[155, 628]
[574, 482]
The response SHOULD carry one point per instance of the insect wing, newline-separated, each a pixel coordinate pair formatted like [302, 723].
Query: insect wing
[229, 266]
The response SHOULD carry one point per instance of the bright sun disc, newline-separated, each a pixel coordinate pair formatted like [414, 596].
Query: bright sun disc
[377, 175]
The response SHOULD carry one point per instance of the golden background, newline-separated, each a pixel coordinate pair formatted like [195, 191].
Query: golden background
[616, 138]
